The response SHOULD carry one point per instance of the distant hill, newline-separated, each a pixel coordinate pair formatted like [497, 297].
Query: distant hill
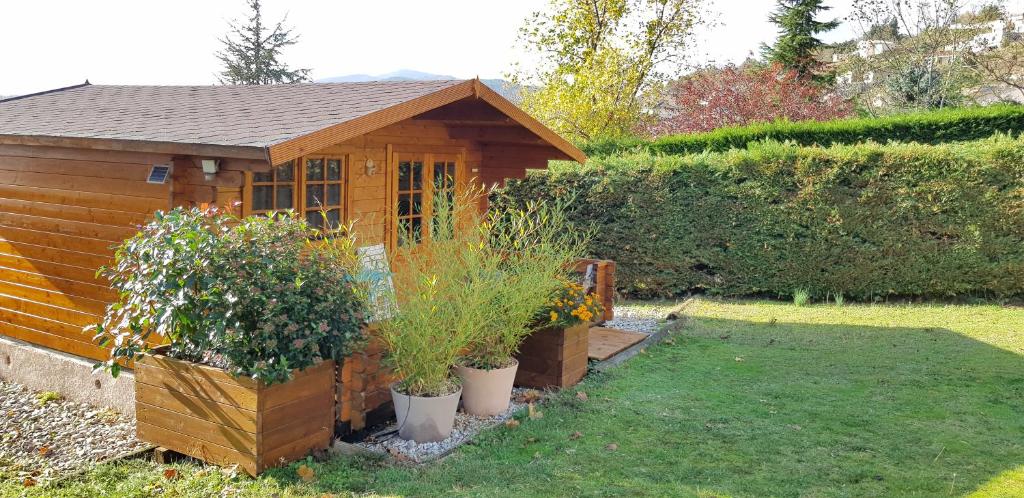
[506, 89]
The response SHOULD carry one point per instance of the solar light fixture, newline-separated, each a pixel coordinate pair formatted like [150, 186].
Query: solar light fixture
[210, 168]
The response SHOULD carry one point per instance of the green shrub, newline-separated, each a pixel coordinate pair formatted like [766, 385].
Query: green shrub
[932, 127]
[256, 296]
[873, 220]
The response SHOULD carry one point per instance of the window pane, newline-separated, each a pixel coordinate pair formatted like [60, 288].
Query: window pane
[403, 205]
[285, 172]
[403, 175]
[334, 194]
[263, 177]
[439, 173]
[451, 173]
[315, 219]
[284, 197]
[314, 195]
[333, 169]
[315, 169]
[334, 218]
[417, 229]
[262, 197]
[417, 175]
[417, 204]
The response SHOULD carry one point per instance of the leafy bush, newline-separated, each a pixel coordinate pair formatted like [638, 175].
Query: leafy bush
[934, 127]
[868, 220]
[256, 296]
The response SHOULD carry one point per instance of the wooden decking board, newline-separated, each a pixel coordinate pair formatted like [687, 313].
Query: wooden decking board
[607, 342]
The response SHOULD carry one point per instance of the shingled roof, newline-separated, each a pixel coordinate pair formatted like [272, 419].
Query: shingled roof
[270, 117]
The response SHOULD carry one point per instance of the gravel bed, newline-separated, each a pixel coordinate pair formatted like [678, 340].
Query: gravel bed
[639, 317]
[466, 427]
[43, 436]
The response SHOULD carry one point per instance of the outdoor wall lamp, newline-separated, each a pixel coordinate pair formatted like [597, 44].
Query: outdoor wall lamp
[210, 168]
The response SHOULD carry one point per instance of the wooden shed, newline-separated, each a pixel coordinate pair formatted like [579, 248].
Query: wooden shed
[82, 167]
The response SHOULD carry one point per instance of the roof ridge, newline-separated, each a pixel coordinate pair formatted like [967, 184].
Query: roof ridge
[44, 92]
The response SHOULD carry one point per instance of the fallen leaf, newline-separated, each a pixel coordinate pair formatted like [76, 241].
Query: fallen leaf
[170, 474]
[531, 395]
[612, 447]
[44, 450]
[511, 423]
[739, 359]
[576, 435]
[643, 351]
[534, 413]
[670, 341]
[398, 455]
[795, 427]
[28, 482]
[531, 439]
[305, 472]
[581, 395]
[230, 472]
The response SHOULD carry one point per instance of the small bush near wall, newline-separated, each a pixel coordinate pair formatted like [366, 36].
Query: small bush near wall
[933, 127]
[865, 221]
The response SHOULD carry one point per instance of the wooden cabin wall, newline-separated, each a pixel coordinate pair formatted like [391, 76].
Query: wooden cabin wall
[370, 196]
[62, 211]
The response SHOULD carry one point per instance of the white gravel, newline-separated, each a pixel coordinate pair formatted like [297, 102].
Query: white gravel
[644, 317]
[466, 427]
[41, 439]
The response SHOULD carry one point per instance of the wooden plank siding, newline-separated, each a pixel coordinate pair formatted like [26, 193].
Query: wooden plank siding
[62, 212]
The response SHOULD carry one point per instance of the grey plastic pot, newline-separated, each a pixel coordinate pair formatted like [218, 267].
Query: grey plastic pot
[486, 393]
[425, 419]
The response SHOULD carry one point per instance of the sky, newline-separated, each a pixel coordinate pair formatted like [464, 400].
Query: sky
[53, 43]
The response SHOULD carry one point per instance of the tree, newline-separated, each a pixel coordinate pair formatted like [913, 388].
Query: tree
[603, 62]
[925, 66]
[253, 58]
[717, 97]
[798, 43]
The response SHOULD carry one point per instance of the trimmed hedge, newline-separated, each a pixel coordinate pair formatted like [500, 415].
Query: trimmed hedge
[865, 220]
[933, 127]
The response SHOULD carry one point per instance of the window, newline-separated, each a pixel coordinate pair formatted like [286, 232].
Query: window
[274, 190]
[312, 186]
[410, 200]
[323, 199]
[422, 181]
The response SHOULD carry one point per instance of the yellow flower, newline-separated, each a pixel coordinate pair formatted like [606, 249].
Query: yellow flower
[554, 316]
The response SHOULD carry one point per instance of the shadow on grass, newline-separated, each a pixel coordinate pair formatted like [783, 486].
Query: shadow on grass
[744, 408]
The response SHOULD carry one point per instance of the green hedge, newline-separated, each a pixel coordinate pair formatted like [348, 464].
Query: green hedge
[866, 220]
[934, 127]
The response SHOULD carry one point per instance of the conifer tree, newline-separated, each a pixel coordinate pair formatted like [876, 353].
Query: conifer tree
[251, 54]
[798, 35]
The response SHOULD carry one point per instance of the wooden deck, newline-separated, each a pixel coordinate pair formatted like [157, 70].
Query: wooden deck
[607, 342]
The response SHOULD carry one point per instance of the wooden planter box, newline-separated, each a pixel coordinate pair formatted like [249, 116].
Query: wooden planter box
[604, 283]
[206, 413]
[553, 357]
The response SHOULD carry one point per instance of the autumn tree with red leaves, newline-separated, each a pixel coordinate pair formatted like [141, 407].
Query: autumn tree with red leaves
[717, 97]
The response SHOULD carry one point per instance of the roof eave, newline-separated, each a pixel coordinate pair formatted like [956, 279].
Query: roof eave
[495, 99]
[157, 147]
[311, 142]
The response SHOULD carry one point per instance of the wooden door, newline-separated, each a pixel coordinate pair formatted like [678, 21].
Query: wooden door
[421, 180]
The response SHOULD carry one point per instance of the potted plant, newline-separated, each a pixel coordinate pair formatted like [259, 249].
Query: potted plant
[250, 316]
[530, 251]
[439, 304]
[555, 354]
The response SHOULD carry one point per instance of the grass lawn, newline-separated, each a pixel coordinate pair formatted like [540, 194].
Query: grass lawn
[749, 399]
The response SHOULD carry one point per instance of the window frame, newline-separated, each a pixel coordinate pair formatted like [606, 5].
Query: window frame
[427, 191]
[299, 184]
